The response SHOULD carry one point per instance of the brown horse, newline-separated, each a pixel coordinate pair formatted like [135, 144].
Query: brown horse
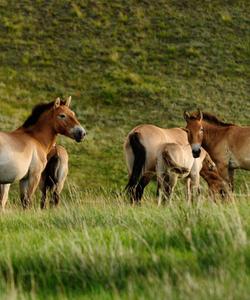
[141, 148]
[54, 175]
[227, 144]
[215, 182]
[23, 152]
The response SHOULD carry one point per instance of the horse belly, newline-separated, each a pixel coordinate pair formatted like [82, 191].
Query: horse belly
[11, 168]
[242, 163]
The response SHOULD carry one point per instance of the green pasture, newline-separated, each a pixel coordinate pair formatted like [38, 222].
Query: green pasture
[124, 63]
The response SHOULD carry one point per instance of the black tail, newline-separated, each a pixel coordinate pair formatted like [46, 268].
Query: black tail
[139, 160]
[51, 172]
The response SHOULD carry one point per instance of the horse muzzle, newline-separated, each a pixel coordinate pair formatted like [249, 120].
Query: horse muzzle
[78, 133]
[196, 153]
[196, 150]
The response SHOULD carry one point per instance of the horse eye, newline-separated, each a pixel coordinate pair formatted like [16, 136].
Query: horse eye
[62, 116]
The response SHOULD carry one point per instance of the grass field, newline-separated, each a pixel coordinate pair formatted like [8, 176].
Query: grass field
[124, 63]
[98, 247]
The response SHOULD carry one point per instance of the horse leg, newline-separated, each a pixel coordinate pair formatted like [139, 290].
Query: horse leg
[231, 178]
[28, 186]
[159, 192]
[55, 197]
[195, 187]
[44, 196]
[158, 189]
[188, 190]
[4, 191]
[143, 182]
[224, 172]
[168, 185]
[43, 189]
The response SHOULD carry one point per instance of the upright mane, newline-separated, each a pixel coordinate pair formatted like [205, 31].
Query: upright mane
[37, 111]
[214, 120]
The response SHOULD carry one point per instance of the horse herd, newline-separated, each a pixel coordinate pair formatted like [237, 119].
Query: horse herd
[166, 153]
[207, 147]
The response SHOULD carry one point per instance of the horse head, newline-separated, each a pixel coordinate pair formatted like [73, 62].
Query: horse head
[195, 131]
[65, 121]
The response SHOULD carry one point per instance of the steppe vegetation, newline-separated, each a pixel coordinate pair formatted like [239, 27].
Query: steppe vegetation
[124, 63]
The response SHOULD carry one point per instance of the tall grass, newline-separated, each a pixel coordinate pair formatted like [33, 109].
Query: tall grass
[99, 247]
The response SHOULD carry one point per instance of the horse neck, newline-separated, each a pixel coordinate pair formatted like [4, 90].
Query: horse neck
[44, 133]
[213, 134]
[210, 176]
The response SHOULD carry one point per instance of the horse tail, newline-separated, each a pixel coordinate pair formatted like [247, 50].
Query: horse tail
[139, 152]
[52, 171]
[172, 164]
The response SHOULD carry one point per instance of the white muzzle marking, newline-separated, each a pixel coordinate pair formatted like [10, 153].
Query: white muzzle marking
[196, 147]
[78, 132]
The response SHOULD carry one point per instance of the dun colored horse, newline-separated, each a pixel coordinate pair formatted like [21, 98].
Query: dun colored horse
[54, 175]
[23, 152]
[227, 144]
[176, 161]
[141, 148]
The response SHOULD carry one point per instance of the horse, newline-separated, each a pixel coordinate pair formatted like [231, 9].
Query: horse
[23, 152]
[54, 175]
[141, 147]
[227, 143]
[216, 184]
[176, 161]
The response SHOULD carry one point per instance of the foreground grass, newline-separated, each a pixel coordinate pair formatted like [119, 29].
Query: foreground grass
[99, 247]
[124, 63]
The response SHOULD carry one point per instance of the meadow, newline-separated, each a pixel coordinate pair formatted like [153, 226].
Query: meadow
[124, 63]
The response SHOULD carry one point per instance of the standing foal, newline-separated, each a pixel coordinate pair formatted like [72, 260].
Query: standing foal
[176, 161]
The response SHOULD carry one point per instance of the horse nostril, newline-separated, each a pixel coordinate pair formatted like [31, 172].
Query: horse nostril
[196, 153]
[79, 134]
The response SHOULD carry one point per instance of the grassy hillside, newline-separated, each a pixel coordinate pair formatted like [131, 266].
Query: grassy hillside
[124, 63]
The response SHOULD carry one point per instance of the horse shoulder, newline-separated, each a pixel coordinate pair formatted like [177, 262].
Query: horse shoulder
[39, 158]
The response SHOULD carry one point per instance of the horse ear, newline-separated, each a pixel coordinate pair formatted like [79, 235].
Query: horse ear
[199, 115]
[57, 102]
[186, 115]
[68, 101]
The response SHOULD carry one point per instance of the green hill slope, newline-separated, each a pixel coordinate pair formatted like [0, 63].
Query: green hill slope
[124, 63]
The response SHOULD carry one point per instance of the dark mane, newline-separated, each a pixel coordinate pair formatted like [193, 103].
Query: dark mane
[214, 120]
[37, 111]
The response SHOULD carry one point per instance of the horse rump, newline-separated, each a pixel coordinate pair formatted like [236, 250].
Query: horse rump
[51, 172]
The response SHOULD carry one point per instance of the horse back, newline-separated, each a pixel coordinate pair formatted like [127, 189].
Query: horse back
[152, 138]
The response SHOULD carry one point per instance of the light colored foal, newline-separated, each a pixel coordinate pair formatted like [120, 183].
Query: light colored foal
[176, 161]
